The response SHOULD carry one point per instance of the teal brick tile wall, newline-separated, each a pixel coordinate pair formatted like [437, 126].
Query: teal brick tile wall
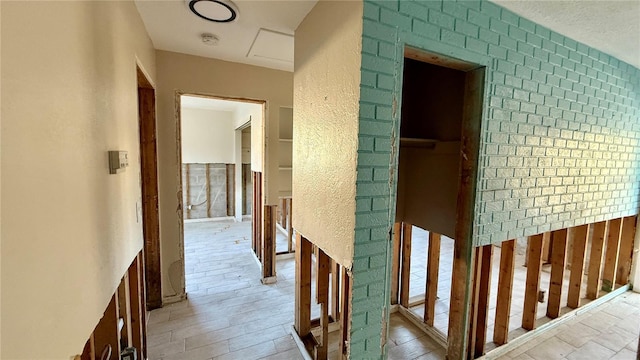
[560, 138]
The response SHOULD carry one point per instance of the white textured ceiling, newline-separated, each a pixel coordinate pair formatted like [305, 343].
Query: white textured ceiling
[173, 27]
[608, 25]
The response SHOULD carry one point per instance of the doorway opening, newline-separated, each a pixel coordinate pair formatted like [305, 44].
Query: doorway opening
[217, 166]
[437, 164]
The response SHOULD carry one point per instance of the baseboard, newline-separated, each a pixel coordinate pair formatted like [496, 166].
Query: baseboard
[167, 300]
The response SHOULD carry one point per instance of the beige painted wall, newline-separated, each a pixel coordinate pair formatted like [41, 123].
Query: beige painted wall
[192, 74]
[325, 126]
[70, 229]
[208, 136]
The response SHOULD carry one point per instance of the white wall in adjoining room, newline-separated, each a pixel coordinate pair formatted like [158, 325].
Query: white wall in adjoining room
[207, 136]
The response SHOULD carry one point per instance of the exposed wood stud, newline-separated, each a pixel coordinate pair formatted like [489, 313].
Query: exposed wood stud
[149, 190]
[138, 313]
[395, 265]
[578, 236]
[462, 254]
[405, 273]
[106, 332]
[505, 287]
[335, 290]
[323, 263]
[611, 255]
[187, 189]
[534, 256]
[303, 252]
[269, 242]
[207, 186]
[290, 225]
[595, 259]
[626, 249]
[558, 262]
[482, 308]
[433, 264]
[231, 190]
[345, 315]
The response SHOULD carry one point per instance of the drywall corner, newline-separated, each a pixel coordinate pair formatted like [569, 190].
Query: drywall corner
[325, 126]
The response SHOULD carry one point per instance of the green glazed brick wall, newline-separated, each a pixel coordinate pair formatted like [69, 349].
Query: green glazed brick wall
[559, 142]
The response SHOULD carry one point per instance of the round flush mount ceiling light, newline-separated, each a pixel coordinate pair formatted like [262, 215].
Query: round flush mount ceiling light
[220, 11]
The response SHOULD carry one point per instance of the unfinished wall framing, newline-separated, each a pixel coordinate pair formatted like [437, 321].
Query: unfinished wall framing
[210, 190]
[123, 326]
[558, 134]
[332, 291]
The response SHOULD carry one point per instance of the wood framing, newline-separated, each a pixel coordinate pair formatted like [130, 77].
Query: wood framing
[138, 312]
[626, 249]
[269, 244]
[149, 189]
[290, 226]
[611, 255]
[558, 262]
[302, 311]
[505, 289]
[595, 259]
[323, 263]
[578, 237]
[335, 291]
[124, 309]
[395, 263]
[534, 257]
[106, 333]
[405, 274]
[345, 315]
[480, 301]
[431, 291]
[256, 215]
[463, 244]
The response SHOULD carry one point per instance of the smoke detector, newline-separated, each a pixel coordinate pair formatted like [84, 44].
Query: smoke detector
[220, 11]
[209, 39]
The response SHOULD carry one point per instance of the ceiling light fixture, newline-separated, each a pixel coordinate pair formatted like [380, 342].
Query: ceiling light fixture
[220, 11]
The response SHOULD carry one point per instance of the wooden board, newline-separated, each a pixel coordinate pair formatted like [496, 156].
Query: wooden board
[345, 321]
[532, 286]
[433, 264]
[106, 332]
[505, 289]
[405, 267]
[302, 310]
[482, 309]
[149, 189]
[611, 255]
[558, 262]
[138, 312]
[578, 236]
[626, 249]
[269, 242]
[595, 259]
[395, 264]
[463, 243]
[322, 292]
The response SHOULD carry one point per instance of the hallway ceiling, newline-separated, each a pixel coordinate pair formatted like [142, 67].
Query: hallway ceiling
[262, 35]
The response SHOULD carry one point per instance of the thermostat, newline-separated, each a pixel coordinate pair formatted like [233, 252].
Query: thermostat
[118, 160]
